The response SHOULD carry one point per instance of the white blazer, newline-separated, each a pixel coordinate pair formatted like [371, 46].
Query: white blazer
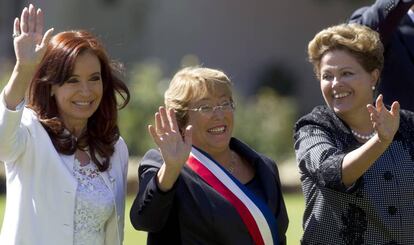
[41, 190]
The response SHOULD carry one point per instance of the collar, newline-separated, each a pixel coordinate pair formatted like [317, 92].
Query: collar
[244, 150]
[269, 179]
[324, 116]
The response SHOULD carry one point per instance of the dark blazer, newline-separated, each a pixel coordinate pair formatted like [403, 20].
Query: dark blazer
[390, 19]
[194, 213]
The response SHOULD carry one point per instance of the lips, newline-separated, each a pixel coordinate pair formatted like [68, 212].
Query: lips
[82, 103]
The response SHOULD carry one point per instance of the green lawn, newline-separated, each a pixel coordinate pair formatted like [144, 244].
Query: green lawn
[294, 204]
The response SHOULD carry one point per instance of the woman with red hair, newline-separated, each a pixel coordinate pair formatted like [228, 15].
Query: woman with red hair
[65, 161]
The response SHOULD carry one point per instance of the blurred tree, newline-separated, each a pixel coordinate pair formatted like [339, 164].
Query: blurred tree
[146, 90]
[265, 122]
[5, 72]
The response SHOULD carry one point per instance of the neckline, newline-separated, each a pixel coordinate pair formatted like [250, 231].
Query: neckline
[79, 164]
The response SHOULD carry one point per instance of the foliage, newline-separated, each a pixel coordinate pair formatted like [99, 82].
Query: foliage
[146, 96]
[5, 72]
[265, 122]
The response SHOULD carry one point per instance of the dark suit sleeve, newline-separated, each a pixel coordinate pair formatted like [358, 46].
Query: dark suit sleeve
[151, 207]
[383, 16]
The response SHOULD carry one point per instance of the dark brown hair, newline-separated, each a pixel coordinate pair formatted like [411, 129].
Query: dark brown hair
[56, 67]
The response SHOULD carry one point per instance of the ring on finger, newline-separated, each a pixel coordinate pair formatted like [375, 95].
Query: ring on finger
[15, 35]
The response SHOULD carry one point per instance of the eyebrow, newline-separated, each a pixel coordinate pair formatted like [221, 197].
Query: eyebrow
[341, 68]
[93, 74]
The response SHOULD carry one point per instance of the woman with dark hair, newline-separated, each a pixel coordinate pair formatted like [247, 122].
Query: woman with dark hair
[65, 161]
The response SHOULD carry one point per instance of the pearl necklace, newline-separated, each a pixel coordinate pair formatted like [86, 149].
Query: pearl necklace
[363, 137]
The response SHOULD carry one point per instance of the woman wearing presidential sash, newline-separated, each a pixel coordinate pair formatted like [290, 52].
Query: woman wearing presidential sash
[203, 186]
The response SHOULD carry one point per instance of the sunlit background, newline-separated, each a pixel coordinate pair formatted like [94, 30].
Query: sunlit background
[260, 44]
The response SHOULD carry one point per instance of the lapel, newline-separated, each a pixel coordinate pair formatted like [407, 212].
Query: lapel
[407, 34]
[68, 161]
[268, 181]
[263, 172]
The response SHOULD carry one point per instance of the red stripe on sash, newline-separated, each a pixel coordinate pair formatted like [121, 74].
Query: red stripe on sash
[213, 181]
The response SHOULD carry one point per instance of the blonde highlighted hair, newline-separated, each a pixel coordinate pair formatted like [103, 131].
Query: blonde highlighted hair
[360, 41]
[192, 84]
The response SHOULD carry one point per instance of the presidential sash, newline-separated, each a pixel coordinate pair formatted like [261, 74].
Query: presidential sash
[257, 217]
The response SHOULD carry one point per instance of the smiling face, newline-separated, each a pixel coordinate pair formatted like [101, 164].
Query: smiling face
[211, 131]
[79, 97]
[346, 86]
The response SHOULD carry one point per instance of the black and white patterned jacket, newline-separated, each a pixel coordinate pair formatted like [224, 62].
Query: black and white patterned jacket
[378, 208]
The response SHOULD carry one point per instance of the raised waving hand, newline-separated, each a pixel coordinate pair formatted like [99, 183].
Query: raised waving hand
[385, 122]
[175, 147]
[29, 46]
[28, 38]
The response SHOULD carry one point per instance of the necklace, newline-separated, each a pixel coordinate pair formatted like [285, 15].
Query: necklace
[363, 137]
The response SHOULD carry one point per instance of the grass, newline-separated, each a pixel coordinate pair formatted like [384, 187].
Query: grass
[294, 204]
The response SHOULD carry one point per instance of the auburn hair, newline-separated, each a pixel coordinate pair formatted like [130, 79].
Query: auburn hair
[56, 67]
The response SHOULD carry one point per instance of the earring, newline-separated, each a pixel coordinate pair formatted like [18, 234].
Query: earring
[373, 88]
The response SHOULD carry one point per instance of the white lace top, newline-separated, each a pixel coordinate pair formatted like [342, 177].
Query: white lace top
[94, 205]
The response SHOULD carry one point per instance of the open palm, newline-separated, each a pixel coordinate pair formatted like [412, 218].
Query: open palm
[29, 41]
[174, 148]
[385, 122]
